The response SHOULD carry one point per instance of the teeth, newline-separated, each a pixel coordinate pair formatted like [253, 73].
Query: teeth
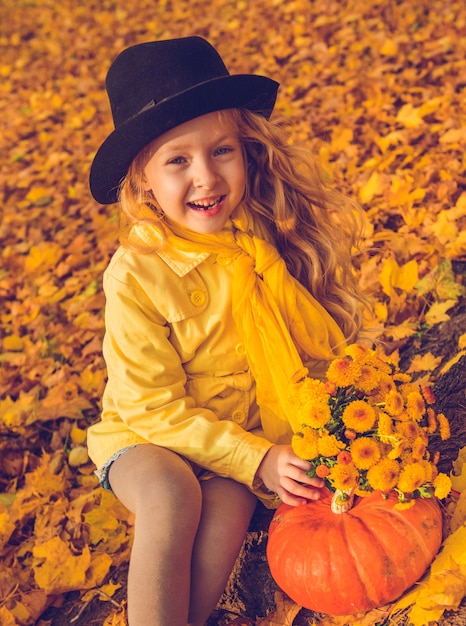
[204, 205]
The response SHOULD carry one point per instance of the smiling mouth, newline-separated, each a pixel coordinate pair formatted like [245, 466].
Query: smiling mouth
[206, 205]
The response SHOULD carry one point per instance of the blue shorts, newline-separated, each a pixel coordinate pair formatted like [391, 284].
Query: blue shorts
[102, 473]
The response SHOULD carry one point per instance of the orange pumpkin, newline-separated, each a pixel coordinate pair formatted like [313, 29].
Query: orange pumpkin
[356, 561]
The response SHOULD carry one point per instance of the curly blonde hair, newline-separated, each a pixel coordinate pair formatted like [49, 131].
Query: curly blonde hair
[313, 226]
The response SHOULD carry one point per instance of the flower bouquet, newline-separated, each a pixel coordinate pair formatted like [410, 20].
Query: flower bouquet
[366, 428]
[377, 527]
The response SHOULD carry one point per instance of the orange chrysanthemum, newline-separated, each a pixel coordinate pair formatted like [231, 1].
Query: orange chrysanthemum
[365, 452]
[444, 426]
[359, 416]
[344, 457]
[322, 471]
[431, 420]
[428, 394]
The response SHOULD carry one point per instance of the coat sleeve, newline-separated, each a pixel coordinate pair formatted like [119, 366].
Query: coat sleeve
[146, 390]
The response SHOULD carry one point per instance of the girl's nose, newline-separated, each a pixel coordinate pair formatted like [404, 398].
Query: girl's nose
[204, 175]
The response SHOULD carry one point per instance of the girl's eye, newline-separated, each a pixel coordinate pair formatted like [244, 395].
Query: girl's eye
[223, 150]
[176, 161]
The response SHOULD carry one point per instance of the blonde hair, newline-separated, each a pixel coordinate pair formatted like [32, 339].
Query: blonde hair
[314, 227]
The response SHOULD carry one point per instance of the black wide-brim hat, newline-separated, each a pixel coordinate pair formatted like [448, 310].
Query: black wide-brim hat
[155, 86]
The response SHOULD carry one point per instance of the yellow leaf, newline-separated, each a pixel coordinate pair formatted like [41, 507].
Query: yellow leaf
[6, 527]
[458, 474]
[44, 256]
[39, 196]
[444, 228]
[389, 48]
[7, 618]
[409, 116]
[57, 569]
[117, 618]
[425, 363]
[375, 186]
[453, 135]
[458, 518]
[451, 556]
[438, 312]
[395, 276]
[78, 435]
[341, 139]
[462, 341]
[452, 361]
[13, 343]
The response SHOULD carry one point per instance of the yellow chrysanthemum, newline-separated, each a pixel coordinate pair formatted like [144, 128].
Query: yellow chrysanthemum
[384, 385]
[399, 446]
[317, 415]
[329, 445]
[384, 475]
[419, 448]
[365, 452]
[430, 470]
[358, 352]
[444, 426]
[394, 403]
[359, 416]
[412, 476]
[308, 391]
[384, 426]
[344, 476]
[304, 444]
[442, 485]
[343, 372]
[406, 388]
[408, 430]
[401, 377]
[415, 406]
[368, 380]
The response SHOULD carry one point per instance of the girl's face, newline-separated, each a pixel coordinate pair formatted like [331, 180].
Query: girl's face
[197, 173]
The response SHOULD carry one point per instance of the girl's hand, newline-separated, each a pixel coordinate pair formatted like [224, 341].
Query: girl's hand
[284, 473]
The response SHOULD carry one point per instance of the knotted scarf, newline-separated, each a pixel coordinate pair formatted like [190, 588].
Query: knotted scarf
[281, 325]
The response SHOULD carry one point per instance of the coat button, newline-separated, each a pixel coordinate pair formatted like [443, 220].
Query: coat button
[198, 298]
[238, 417]
[240, 349]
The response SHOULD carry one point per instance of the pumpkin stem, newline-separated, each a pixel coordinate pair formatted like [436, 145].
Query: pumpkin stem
[342, 500]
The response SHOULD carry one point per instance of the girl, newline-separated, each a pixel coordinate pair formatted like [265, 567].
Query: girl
[226, 233]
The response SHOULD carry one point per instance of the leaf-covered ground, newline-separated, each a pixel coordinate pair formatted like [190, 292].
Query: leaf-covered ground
[377, 89]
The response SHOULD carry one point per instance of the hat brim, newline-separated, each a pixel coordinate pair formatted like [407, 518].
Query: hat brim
[115, 155]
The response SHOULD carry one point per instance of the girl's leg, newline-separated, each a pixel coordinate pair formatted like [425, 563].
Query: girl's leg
[160, 488]
[227, 508]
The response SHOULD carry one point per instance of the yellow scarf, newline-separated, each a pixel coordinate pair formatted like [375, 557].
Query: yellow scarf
[279, 322]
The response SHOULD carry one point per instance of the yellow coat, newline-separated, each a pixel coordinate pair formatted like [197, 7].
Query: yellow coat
[177, 374]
